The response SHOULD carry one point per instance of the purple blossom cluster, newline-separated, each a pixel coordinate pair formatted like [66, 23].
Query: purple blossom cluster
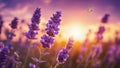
[7, 60]
[4, 56]
[64, 53]
[47, 41]
[34, 26]
[110, 56]
[100, 32]
[105, 18]
[14, 23]
[113, 52]
[96, 51]
[31, 65]
[51, 30]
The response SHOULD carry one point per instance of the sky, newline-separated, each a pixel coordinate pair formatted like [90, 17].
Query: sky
[78, 12]
[74, 8]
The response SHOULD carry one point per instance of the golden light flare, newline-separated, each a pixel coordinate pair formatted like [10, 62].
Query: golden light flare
[76, 31]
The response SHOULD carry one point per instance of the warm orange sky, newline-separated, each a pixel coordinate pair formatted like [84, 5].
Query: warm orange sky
[86, 14]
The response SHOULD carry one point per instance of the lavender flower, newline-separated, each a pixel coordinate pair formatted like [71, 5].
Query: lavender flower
[1, 24]
[31, 65]
[96, 51]
[31, 34]
[34, 26]
[100, 32]
[14, 23]
[51, 30]
[110, 56]
[70, 44]
[13, 60]
[4, 56]
[36, 16]
[52, 26]
[63, 54]
[47, 41]
[11, 35]
[105, 18]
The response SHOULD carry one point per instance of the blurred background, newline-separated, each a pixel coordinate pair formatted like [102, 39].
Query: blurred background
[80, 19]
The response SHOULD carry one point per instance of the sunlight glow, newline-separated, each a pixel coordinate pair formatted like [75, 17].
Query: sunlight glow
[76, 31]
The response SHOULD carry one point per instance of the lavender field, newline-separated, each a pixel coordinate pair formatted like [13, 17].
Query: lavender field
[59, 34]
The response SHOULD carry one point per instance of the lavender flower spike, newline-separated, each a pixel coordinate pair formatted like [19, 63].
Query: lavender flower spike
[105, 18]
[52, 26]
[36, 16]
[51, 30]
[46, 41]
[35, 20]
[34, 26]
[63, 54]
[31, 34]
[31, 65]
[4, 56]
[14, 23]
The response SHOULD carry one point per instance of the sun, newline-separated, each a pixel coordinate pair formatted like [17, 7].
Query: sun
[75, 30]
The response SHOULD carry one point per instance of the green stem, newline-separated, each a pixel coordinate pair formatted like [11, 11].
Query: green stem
[26, 57]
[56, 65]
[39, 56]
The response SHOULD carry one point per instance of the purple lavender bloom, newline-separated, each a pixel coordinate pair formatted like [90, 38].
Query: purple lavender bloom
[110, 56]
[62, 56]
[34, 26]
[70, 44]
[96, 51]
[14, 23]
[36, 16]
[31, 34]
[105, 18]
[101, 30]
[51, 30]
[1, 24]
[31, 65]
[52, 26]
[46, 41]
[4, 56]
[11, 35]
[13, 61]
